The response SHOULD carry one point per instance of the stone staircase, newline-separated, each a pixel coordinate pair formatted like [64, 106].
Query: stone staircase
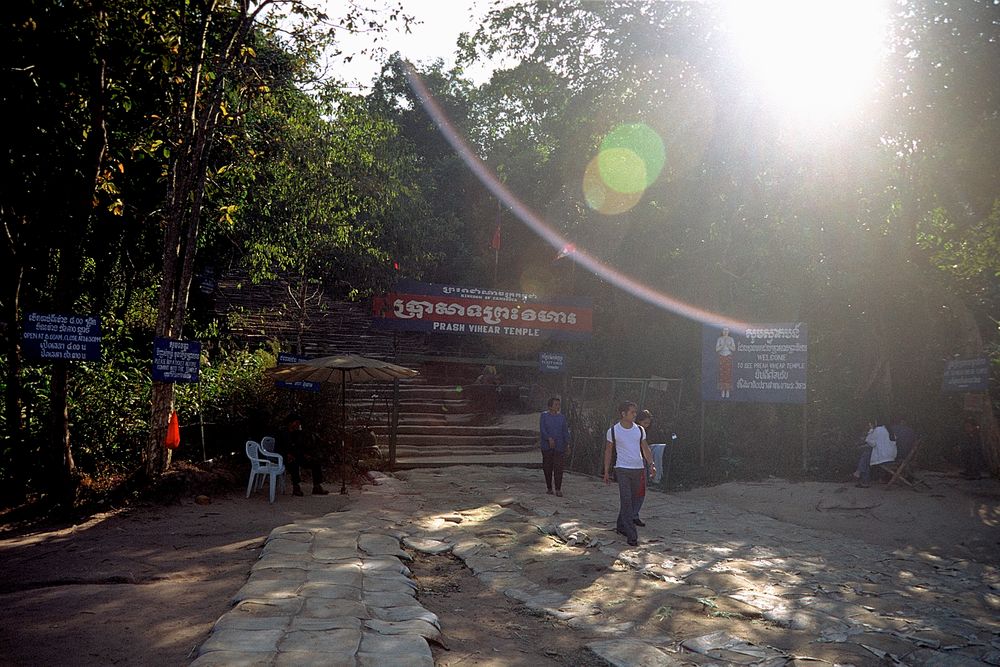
[440, 421]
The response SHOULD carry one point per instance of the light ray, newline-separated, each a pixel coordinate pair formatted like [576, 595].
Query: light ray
[546, 231]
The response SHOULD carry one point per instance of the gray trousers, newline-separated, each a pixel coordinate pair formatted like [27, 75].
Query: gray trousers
[629, 480]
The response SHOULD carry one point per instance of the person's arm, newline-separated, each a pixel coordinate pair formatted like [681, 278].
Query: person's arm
[608, 448]
[565, 432]
[647, 454]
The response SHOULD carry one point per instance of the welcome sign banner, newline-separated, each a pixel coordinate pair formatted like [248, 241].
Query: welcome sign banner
[763, 363]
[430, 307]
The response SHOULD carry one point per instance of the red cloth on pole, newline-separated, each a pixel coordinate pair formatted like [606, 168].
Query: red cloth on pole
[173, 439]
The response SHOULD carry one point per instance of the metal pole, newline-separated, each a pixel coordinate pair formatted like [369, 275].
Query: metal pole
[805, 438]
[702, 437]
[201, 422]
[343, 434]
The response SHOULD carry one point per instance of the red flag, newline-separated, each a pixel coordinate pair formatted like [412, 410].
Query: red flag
[495, 243]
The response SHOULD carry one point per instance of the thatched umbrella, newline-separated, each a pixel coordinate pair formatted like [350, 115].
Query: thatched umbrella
[342, 368]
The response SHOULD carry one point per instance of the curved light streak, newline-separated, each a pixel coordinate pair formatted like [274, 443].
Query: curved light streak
[544, 230]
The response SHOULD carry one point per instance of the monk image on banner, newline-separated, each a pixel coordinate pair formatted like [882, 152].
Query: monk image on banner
[725, 347]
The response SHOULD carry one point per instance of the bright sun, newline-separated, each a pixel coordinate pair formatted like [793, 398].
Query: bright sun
[815, 59]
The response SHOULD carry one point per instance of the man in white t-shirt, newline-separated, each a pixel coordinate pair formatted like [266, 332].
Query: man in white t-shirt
[627, 439]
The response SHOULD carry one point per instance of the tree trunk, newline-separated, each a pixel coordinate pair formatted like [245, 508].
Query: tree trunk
[12, 405]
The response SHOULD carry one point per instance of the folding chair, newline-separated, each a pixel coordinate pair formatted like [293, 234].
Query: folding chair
[897, 470]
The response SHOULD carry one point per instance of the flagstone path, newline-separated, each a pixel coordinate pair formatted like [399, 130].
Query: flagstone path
[708, 583]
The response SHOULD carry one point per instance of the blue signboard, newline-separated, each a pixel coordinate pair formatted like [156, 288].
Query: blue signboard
[55, 336]
[176, 360]
[761, 363]
[301, 385]
[966, 375]
[551, 362]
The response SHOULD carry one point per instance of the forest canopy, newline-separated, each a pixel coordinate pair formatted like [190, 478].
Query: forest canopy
[755, 161]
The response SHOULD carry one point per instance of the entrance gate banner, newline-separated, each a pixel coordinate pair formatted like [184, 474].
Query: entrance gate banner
[762, 363]
[430, 307]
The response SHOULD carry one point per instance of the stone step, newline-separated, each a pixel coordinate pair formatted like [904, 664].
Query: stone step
[511, 459]
[465, 440]
[453, 430]
[407, 451]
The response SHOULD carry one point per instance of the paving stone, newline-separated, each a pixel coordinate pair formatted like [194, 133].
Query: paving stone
[340, 641]
[392, 646]
[479, 564]
[255, 641]
[314, 659]
[239, 622]
[290, 574]
[369, 565]
[632, 653]
[331, 608]
[286, 547]
[388, 583]
[376, 544]
[318, 624]
[522, 594]
[396, 660]
[291, 531]
[388, 599]
[427, 546]
[266, 589]
[466, 548]
[601, 628]
[414, 626]
[335, 554]
[274, 561]
[546, 600]
[398, 614]
[234, 659]
[342, 574]
[573, 609]
[322, 589]
[285, 607]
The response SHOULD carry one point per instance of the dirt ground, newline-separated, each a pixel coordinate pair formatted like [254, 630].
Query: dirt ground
[143, 586]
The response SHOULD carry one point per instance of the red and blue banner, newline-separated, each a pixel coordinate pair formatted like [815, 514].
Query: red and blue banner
[472, 310]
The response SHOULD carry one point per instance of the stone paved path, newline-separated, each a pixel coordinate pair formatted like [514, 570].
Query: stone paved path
[336, 590]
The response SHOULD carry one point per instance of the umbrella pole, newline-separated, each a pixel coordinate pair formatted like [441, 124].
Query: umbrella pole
[343, 434]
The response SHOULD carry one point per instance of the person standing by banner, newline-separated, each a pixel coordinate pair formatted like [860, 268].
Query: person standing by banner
[627, 440]
[554, 441]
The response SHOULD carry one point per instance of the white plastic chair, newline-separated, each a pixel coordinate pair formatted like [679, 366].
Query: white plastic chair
[268, 444]
[263, 463]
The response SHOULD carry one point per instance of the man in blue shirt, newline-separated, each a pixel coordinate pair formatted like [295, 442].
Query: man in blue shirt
[554, 441]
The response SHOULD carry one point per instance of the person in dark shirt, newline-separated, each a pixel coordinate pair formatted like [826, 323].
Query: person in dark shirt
[906, 438]
[971, 449]
[554, 441]
[292, 447]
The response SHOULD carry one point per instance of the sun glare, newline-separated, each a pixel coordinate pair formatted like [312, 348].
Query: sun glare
[814, 60]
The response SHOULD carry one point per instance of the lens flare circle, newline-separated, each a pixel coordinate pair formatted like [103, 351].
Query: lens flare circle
[602, 198]
[632, 157]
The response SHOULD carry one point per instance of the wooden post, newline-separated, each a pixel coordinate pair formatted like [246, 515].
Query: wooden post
[393, 424]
